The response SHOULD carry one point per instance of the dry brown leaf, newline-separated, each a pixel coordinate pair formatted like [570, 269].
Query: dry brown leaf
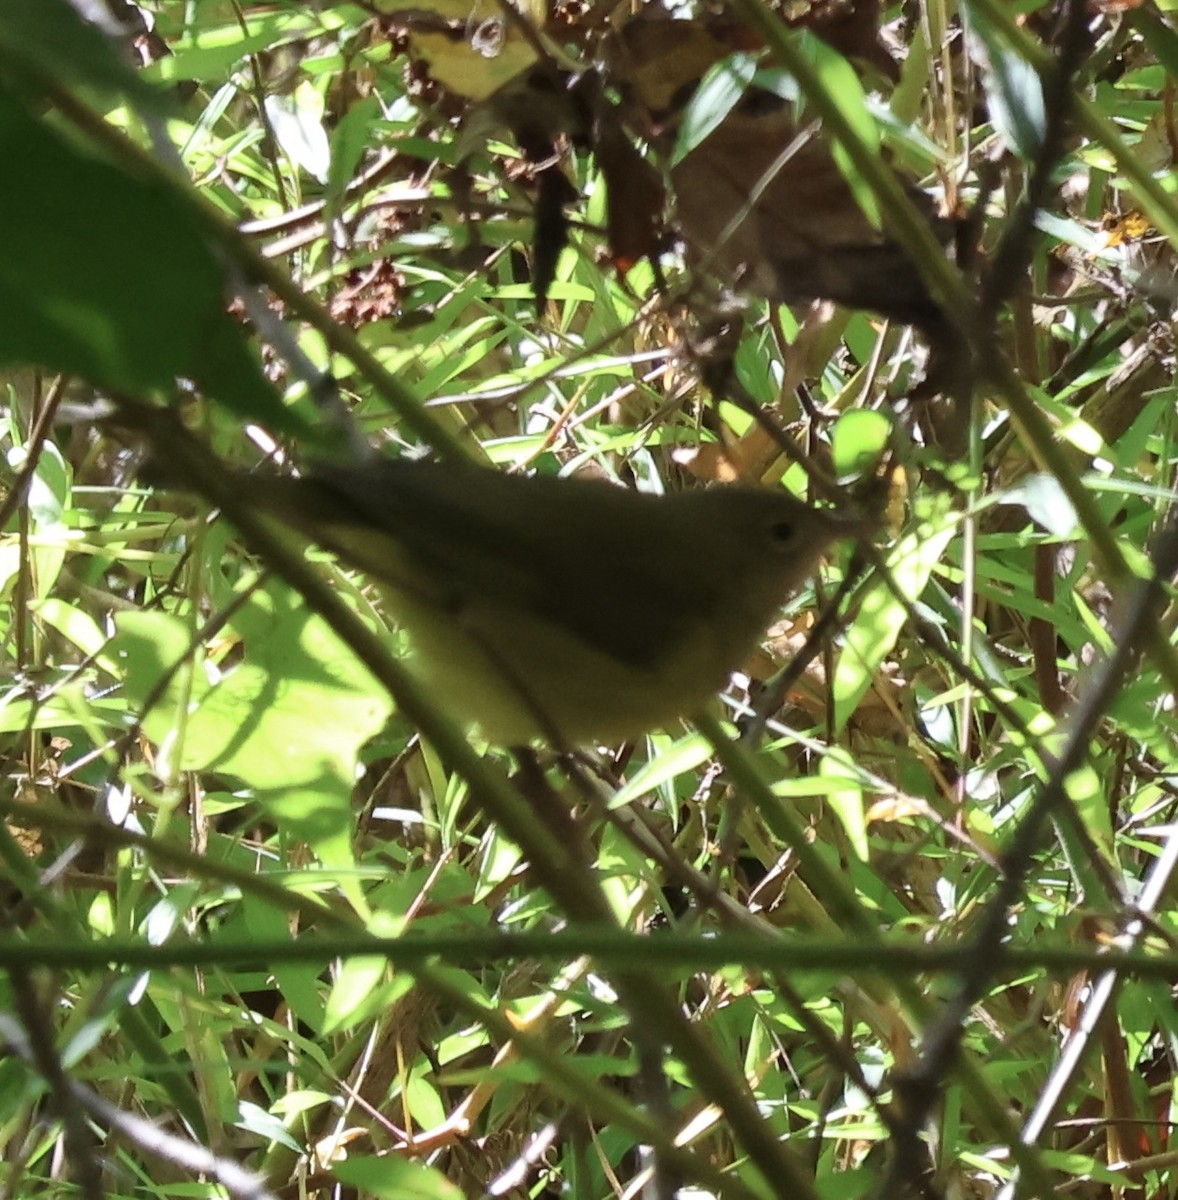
[760, 202]
[469, 45]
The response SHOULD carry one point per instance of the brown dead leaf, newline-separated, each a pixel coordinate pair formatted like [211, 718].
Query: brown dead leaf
[659, 59]
[746, 459]
[1131, 226]
[761, 202]
[764, 205]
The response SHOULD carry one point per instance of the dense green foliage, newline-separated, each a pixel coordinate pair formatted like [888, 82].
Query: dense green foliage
[254, 921]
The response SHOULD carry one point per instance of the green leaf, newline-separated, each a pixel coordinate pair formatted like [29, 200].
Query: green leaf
[1158, 36]
[391, 1177]
[841, 85]
[297, 121]
[49, 488]
[1047, 503]
[719, 92]
[50, 37]
[857, 442]
[298, 983]
[349, 141]
[264, 1125]
[1014, 90]
[352, 992]
[881, 616]
[208, 51]
[845, 796]
[682, 755]
[289, 719]
[111, 278]
[76, 625]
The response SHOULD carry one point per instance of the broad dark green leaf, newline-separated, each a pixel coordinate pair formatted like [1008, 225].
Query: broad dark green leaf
[111, 278]
[50, 38]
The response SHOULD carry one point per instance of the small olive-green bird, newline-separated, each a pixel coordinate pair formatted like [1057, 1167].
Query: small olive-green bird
[561, 608]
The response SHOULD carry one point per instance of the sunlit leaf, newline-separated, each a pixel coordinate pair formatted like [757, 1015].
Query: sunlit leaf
[719, 92]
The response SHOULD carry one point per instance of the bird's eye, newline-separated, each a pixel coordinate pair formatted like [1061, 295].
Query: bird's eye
[781, 533]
